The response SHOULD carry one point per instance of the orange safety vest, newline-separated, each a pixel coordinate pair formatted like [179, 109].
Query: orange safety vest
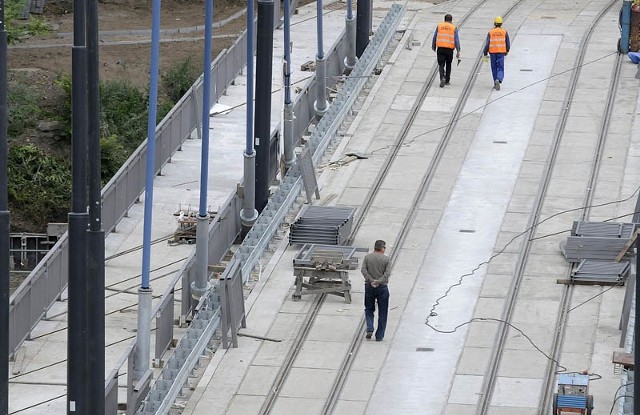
[497, 40]
[446, 37]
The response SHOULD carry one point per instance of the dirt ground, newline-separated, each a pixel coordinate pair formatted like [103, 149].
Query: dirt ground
[127, 57]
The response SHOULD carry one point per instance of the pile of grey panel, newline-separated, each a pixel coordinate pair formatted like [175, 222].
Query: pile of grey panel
[594, 246]
[325, 225]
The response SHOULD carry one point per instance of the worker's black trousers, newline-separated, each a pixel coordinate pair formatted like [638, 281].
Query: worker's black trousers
[445, 57]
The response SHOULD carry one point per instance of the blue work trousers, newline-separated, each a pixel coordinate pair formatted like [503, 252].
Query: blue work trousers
[372, 296]
[497, 66]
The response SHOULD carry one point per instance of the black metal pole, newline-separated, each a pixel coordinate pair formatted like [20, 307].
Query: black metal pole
[264, 59]
[4, 222]
[362, 26]
[77, 358]
[95, 237]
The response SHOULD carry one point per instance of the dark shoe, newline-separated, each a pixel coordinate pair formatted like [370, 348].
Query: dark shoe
[442, 82]
[446, 83]
[368, 335]
[496, 85]
[378, 340]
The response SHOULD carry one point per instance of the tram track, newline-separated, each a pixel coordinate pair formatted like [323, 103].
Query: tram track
[357, 339]
[491, 374]
[558, 340]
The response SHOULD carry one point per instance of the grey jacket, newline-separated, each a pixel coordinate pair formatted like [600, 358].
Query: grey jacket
[376, 266]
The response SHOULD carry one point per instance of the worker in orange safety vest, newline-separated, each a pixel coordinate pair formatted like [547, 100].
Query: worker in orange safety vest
[445, 39]
[497, 46]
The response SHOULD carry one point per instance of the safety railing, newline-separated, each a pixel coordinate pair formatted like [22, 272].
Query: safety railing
[45, 283]
[222, 233]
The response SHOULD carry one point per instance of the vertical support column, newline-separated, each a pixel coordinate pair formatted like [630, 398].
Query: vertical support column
[320, 106]
[249, 214]
[95, 237]
[4, 223]
[362, 26]
[350, 37]
[77, 352]
[142, 352]
[625, 26]
[288, 105]
[200, 285]
[264, 60]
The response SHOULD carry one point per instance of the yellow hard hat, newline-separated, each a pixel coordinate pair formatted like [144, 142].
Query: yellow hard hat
[497, 20]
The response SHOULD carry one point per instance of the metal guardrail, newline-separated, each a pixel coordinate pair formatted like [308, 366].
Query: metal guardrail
[162, 394]
[281, 201]
[222, 233]
[45, 283]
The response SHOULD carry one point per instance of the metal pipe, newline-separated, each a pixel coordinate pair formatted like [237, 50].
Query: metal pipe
[250, 71]
[350, 37]
[142, 351]
[151, 143]
[77, 351]
[320, 106]
[264, 59]
[95, 237]
[288, 105]
[202, 229]
[319, 31]
[249, 214]
[362, 26]
[4, 222]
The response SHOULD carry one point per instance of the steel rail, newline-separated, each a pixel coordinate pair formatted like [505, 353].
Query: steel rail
[357, 339]
[560, 328]
[362, 214]
[490, 378]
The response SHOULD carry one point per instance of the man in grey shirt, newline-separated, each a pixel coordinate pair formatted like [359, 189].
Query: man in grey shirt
[376, 269]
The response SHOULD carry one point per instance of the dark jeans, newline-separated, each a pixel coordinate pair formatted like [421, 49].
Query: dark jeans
[445, 57]
[497, 66]
[380, 295]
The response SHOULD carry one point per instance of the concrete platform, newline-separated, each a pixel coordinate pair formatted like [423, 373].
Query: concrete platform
[485, 187]
[478, 203]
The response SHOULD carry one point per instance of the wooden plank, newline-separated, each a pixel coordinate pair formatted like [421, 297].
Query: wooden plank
[623, 358]
[627, 245]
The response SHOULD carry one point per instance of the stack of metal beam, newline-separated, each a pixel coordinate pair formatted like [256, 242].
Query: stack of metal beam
[609, 272]
[323, 225]
[601, 241]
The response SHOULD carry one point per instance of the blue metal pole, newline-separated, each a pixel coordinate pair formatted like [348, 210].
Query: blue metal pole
[199, 286]
[319, 29]
[349, 9]
[151, 145]
[287, 52]
[142, 353]
[206, 107]
[250, 72]
[625, 26]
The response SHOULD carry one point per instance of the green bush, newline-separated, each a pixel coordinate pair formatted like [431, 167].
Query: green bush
[112, 156]
[40, 185]
[178, 79]
[24, 107]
